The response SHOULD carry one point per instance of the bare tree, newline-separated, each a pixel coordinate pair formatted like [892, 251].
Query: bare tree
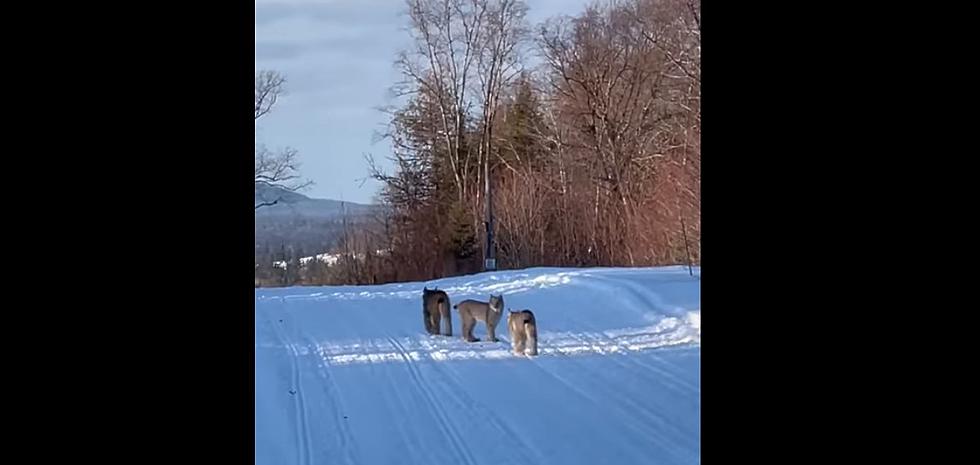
[273, 169]
[498, 64]
[277, 169]
[674, 28]
[463, 53]
[618, 91]
[268, 88]
[447, 35]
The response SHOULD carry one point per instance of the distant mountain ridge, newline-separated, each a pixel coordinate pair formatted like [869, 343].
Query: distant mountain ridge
[300, 223]
[294, 204]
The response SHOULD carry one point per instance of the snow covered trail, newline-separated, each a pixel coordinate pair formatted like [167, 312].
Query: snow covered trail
[347, 375]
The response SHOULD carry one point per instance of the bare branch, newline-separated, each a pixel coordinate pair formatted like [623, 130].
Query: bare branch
[268, 88]
[279, 170]
[268, 204]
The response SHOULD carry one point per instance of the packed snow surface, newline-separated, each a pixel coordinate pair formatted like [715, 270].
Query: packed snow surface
[347, 374]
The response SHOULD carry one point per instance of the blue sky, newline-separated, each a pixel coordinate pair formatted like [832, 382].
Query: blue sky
[337, 56]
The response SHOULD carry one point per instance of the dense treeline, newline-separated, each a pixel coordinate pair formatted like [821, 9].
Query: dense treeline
[588, 126]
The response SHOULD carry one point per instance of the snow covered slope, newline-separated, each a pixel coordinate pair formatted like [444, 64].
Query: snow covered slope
[346, 375]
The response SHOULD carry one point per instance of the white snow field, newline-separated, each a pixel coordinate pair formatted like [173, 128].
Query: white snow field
[347, 374]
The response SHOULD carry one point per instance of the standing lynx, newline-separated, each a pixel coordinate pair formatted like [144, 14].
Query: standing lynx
[488, 312]
[435, 307]
[523, 332]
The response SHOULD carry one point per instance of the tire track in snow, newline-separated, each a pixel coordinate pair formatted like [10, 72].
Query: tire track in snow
[664, 432]
[445, 424]
[641, 428]
[693, 320]
[412, 440]
[637, 427]
[304, 443]
[451, 380]
[636, 367]
[622, 358]
[332, 392]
